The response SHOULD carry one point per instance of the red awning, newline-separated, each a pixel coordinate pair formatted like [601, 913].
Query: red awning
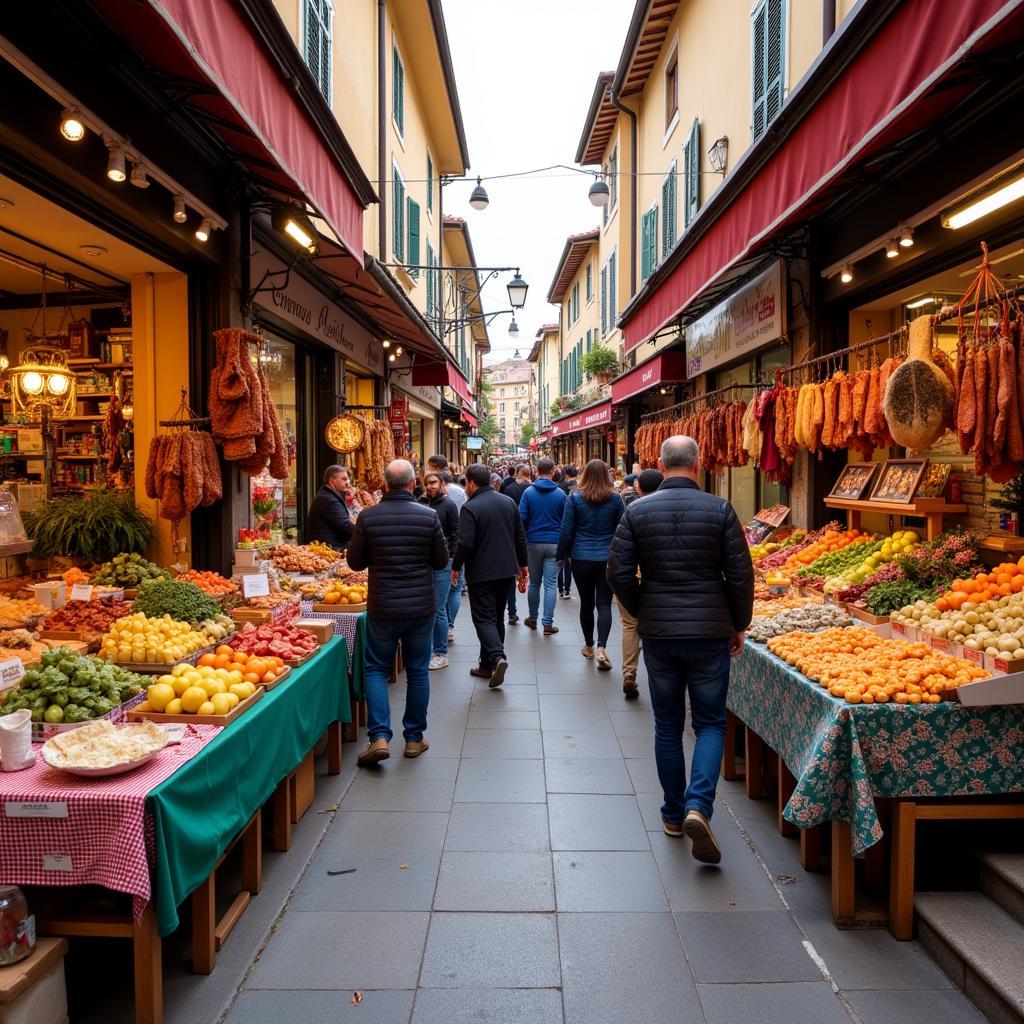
[899, 82]
[441, 375]
[469, 418]
[664, 367]
[252, 106]
[594, 416]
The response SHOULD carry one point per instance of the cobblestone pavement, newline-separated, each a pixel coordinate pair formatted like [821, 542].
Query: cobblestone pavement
[517, 872]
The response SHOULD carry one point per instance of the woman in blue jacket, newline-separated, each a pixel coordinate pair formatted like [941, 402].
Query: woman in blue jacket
[591, 515]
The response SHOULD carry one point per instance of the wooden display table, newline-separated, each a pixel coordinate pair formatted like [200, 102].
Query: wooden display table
[930, 509]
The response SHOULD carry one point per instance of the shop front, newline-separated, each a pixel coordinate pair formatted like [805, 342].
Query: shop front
[648, 386]
[422, 405]
[584, 435]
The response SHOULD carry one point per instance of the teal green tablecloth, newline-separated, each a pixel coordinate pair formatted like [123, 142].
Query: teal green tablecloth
[207, 802]
[357, 678]
[844, 755]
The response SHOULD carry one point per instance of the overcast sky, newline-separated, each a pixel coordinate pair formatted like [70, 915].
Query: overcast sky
[525, 73]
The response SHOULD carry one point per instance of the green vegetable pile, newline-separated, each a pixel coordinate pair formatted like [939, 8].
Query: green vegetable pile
[886, 598]
[180, 599]
[69, 687]
[839, 561]
[128, 571]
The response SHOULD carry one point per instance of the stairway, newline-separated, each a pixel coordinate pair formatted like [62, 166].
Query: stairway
[977, 938]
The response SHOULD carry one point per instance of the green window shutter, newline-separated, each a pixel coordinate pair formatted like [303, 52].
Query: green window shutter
[604, 300]
[645, 248]
[768, 54]
[398, 220]
[430, 184]
[589, 342]
[414, 235]
[613, 310]
[398, 90]
[691, 175]
[590, 282]
[668, 210]
[579, 363]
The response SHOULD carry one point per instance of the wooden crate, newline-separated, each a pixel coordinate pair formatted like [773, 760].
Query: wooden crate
[354, 609]
[158, 716]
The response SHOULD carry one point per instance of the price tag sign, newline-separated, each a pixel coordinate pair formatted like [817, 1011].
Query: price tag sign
[81, 592]
[255, 585]
[35, 809]
[57, 862]
[11, 673]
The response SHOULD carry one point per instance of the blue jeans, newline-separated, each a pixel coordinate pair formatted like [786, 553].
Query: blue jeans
[565, 577]
[542, 567]
[442, 587]
[455, 598]
[701, 668]
[382, 637]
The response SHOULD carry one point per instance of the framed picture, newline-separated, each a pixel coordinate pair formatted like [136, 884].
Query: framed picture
[854, 481]
[898, 480]
[933, 483]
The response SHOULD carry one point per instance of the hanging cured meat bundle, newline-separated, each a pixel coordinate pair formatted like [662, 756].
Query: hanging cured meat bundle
[918, 396]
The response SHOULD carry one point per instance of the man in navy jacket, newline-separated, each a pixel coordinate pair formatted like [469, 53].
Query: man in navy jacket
[540, 509]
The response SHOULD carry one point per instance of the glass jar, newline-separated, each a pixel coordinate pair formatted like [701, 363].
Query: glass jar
[17, 926]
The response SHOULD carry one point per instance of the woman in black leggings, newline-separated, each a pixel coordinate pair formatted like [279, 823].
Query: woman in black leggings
[591, 515]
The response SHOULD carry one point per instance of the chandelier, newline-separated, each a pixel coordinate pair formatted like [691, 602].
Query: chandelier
[42, 380]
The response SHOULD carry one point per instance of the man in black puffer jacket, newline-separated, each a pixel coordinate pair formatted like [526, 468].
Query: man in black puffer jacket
[693, 602]
[402, 544]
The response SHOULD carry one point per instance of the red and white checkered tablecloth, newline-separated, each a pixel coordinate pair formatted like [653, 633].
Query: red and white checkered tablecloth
[102, 841]
[344, 623]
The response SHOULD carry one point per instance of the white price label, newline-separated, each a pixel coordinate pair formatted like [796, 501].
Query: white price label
[57, 862]
[256, 585]
[35, 809]
[11, 673]
[81, 592]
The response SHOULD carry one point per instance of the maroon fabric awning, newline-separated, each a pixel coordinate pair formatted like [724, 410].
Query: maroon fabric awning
[665, 367]
[469, 418]
[441, 375]
[594, 416]
[898, 83]
[251, 105]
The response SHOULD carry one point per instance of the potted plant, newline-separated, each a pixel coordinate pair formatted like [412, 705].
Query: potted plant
[555, 409]
[600, 362]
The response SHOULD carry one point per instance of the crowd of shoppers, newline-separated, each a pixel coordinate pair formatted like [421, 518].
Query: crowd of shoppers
[673, 556]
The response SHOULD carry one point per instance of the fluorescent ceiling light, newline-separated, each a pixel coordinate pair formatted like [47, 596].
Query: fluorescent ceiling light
[985, 204]
[928, 300]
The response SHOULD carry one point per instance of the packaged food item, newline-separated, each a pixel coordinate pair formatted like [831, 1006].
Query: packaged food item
[17, 926]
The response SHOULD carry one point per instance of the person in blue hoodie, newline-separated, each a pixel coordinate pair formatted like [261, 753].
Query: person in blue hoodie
[540, 509]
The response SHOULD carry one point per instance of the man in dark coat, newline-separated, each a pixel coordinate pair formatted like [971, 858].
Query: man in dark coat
[693, 602]
[492, 546]
[329, 521]
[401, 542]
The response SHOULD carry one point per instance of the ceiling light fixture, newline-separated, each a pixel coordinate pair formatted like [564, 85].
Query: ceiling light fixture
[984, 204]
[138, 176]
[5, 202]
[91, 249]
[115, 164]
[892, 248]
[906, 238]
[180, 213]
[928, 300]
[846, 274]
[71, 126]
[203, 231]
[296, 226]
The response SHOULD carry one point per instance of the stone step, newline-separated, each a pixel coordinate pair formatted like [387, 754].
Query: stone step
[1002, 881]
[979, 946]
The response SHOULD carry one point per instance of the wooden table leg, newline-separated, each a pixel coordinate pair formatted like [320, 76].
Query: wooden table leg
[149, 971]
[843, 900]
[334, 741]
[901, 870]
[252, 855]
[784, 789]
[204, 925]
[810, 848]
[729, 771]
[282, 816]
[755, 763]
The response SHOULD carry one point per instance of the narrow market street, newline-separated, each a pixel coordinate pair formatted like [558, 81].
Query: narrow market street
[518, 873]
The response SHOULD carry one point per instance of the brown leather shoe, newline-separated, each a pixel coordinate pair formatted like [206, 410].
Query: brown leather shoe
[698, 828]
[587, 652]
[629, 689]
[530, 623]
[498, 675]
[374, 752]
[480, 673]
[672, 828]
[550, 630]
[413, 748]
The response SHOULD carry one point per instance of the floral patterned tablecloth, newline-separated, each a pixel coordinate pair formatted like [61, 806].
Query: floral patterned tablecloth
[844, 755]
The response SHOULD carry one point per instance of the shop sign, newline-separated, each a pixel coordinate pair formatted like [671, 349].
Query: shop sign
[611, 435]
[595, 416]
[398, 410]
[666, 367]
[747, 320]
[299, 303]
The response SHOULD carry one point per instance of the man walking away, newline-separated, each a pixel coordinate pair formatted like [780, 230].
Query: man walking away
[448, 514]
[628, 493]
[457, 493]
[492, 546]
[568, 485]
[696, 585]
[646, 482]
[516, 490]
[540, 509]
[329, 520]
[401, 543]
[439, 464]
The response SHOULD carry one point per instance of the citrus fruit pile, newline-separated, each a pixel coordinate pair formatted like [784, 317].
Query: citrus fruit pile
[863, 668]
[1002, 581]
[345, 593]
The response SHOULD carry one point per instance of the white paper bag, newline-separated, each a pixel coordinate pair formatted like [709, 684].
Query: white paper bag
[16, 751]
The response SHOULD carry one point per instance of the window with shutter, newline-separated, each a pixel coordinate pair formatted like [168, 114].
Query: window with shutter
[398, 90]
[398, 217]
[649, 242]
[611, 169]
[604, 300]
[317, 22]
[590, 282]
[691, 174]
[414, 237]
[613, 309]
[430, 184]
[767, 45]
[431, 297]
[668, 210]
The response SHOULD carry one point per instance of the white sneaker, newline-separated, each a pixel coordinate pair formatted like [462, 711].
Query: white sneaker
[438, 661]
[451, 635]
